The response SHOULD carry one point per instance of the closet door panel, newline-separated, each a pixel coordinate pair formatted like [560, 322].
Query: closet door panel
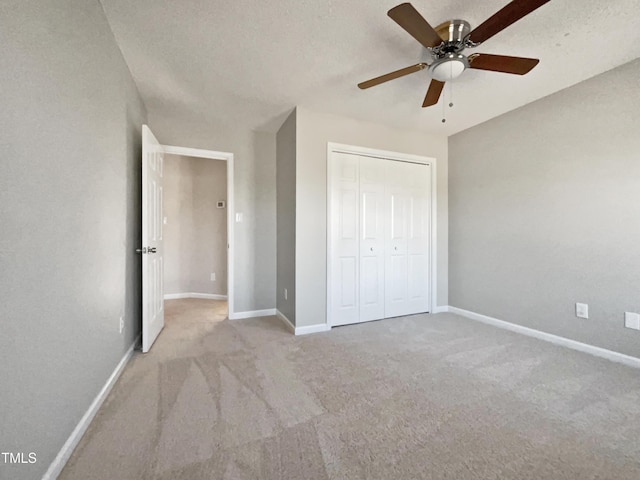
[370, 283]
[397, 223]
[345, 214]
[397, 265]
[372, 172]
[407, 273]
[418, 241]
[348, 272]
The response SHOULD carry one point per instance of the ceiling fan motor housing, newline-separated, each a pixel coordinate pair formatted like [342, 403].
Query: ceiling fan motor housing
[449, 62]
[454, 32]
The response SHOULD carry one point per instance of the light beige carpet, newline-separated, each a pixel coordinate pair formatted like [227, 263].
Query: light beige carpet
[422, 397]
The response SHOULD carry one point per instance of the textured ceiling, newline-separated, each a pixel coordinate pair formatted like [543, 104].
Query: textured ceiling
[248, 62]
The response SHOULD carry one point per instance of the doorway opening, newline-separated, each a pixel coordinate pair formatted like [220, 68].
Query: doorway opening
[195, 233]
[153, 223]
[198, 230]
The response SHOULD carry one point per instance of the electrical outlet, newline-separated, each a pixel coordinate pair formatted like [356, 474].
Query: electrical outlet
[285, 293]
[121, 324]
[213, 277]
[632, 320]
[582, 310]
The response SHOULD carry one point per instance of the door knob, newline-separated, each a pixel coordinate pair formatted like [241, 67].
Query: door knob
[141, 250]
[371, 249]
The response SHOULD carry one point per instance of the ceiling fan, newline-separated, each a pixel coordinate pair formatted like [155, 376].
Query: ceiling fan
[447, 41]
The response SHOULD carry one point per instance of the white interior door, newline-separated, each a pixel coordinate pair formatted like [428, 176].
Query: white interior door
[152, 242]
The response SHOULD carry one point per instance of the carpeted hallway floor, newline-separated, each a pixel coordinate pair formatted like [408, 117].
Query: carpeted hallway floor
[422, 397]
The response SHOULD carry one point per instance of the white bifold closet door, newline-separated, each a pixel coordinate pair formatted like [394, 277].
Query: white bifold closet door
[372, 232]
[407, 239]
[379, 238]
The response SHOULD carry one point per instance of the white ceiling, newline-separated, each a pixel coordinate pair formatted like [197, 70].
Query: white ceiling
[250, 62]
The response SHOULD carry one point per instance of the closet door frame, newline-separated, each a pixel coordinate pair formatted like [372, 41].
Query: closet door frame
[393, 156]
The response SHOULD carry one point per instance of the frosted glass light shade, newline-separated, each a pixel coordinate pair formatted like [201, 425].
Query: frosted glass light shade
[448, 70]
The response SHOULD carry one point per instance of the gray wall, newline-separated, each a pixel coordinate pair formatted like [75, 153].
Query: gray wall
[69, 208]
[196, 230]
[254, 196]
[286, 212]
[314, 130]
[545, 212]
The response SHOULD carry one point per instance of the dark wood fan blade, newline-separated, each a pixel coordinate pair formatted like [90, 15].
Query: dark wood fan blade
[502, 63]
[500, 20]
[391, 76]
[408, 18]
[433, 94]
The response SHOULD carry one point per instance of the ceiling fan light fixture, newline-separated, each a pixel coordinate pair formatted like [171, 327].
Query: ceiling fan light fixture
[449, 67]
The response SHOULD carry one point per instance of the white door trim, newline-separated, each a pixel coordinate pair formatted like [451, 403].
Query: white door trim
[399, 157]
[227, 157]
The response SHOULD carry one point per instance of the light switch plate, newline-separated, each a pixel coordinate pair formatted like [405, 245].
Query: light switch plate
[632, 320]
[582, 310]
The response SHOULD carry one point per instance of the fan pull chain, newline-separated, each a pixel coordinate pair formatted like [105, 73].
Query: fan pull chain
[451, 87]
[450, 84]
[444, 110]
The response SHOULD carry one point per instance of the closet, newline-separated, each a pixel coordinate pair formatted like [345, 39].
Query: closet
[379, 252]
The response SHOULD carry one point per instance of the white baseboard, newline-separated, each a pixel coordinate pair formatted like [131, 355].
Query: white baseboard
[286, 321]
[72, 442]
[549, 337]
[320, 327]
[323, 327]
[209, 296]
[252, 314]
[441, 309]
